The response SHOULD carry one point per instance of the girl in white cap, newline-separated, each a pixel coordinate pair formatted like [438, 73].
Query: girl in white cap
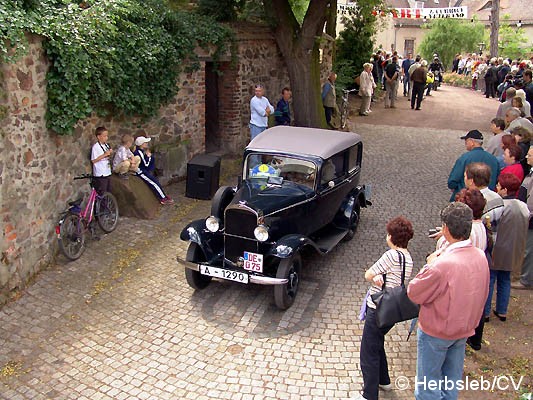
[147, 168]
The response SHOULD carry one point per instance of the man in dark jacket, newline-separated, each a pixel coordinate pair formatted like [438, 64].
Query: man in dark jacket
[418, 79]
[283, 112]
[491, 77]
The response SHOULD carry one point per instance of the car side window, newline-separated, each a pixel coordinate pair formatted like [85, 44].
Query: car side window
[333, 168]
[354, 158]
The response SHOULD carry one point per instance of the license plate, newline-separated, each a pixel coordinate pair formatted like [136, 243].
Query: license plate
[253, 262]
[221, 273]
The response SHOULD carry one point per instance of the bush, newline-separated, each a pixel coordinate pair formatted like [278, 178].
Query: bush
[457, 80]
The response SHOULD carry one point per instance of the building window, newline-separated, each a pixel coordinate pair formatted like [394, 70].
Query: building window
[419, 4]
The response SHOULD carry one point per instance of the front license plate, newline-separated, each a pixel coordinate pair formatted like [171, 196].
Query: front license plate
[253, 262]
[221, 273]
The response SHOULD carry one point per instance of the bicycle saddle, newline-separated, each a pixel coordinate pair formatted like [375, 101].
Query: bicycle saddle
[75, 203]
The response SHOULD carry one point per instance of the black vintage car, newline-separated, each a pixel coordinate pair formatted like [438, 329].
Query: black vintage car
[300, 189]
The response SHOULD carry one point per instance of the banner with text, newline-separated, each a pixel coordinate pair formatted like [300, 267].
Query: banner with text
[426, 13]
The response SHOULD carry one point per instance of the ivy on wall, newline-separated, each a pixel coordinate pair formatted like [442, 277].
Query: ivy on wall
[110, 56]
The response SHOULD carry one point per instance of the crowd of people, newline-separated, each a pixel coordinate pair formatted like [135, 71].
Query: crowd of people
[485, 239]
[493, 76]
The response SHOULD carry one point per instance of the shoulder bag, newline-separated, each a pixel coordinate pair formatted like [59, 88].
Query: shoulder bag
[392, 304]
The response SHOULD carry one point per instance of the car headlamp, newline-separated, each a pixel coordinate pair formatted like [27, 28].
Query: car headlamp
[261, 233]
[212, 224]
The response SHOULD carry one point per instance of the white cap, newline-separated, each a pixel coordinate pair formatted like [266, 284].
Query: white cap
[141, 140]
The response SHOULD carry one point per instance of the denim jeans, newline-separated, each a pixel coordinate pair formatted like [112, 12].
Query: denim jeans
[439, 365]
[256, 130]
[526, 276]
[503, 291]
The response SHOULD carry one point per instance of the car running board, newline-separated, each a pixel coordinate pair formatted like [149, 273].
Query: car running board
[329, 238]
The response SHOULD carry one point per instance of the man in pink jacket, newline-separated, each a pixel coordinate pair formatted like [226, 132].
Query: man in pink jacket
[451, 289]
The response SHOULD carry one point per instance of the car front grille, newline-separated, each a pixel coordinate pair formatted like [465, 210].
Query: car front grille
[234, 247]
[240, 222]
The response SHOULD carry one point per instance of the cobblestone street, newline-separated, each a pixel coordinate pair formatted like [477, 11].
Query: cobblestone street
[122, 323]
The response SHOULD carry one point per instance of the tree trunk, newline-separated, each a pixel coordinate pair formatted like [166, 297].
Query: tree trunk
[304, 75]
[494, 27]
[299, 47]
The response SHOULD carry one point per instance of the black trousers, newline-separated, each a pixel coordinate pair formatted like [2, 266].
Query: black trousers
[372, 356]
[329, 113]
[491, 88]
[418, 94]
[476, 338]
[102, 184]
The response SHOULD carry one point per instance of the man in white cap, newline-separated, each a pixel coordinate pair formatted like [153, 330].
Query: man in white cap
[147, 168]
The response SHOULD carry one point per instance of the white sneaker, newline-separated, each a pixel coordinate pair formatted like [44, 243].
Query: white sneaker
[368, 111]
[386, 388]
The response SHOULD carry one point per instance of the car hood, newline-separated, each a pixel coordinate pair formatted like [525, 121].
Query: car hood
[257, 194]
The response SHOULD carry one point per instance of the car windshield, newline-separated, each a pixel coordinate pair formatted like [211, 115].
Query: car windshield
[261, 166]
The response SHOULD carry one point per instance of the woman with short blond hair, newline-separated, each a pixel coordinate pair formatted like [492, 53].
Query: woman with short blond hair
[366, 88]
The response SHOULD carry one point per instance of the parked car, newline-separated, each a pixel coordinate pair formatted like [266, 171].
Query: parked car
[299, 189]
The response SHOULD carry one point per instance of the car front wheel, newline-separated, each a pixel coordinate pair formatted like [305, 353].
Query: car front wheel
[194, 278]
[289, 268]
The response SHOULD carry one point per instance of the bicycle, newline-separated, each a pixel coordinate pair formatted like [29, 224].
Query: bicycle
[74, 223]
[344, 106]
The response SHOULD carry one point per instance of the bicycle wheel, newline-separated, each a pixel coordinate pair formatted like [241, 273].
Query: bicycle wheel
[107, 212]
[72, 237]
[344, 115]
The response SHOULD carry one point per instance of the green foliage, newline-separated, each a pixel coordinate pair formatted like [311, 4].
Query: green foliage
[221, 10]
[355, 43]
[12, 25]
[299, 8]
[120, 56]
[449, 36]
[512, 41]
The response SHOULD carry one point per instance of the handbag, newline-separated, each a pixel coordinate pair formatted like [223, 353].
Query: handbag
[392, 304]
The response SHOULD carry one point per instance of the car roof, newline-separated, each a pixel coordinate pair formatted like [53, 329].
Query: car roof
[297, 140]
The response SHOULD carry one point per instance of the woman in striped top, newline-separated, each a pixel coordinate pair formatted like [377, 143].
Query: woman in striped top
[372, 356]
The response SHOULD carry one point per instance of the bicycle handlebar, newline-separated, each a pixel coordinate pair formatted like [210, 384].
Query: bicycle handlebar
[84, 176]
[349, 90]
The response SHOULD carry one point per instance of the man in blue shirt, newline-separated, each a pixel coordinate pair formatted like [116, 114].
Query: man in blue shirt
[405, 69]
[475, 153]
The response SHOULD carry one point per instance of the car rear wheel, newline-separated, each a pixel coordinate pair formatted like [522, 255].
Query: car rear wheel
[354, 222]
[289, 268]
[194, 278]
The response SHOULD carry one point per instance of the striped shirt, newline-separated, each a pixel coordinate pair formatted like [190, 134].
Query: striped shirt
[389, 264]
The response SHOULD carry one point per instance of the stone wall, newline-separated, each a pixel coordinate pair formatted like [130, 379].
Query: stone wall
[37, 166]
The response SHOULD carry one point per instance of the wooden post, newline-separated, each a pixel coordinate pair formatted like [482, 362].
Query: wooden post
[494, 27]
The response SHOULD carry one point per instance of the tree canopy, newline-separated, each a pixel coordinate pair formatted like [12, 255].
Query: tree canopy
[512, 41]
[356, 41]
[449, 36]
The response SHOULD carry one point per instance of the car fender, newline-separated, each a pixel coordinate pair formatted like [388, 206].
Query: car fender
[208, 241]
[354, 198]
[291, 244]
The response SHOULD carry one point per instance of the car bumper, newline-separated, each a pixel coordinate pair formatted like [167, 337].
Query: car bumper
[257, 279]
